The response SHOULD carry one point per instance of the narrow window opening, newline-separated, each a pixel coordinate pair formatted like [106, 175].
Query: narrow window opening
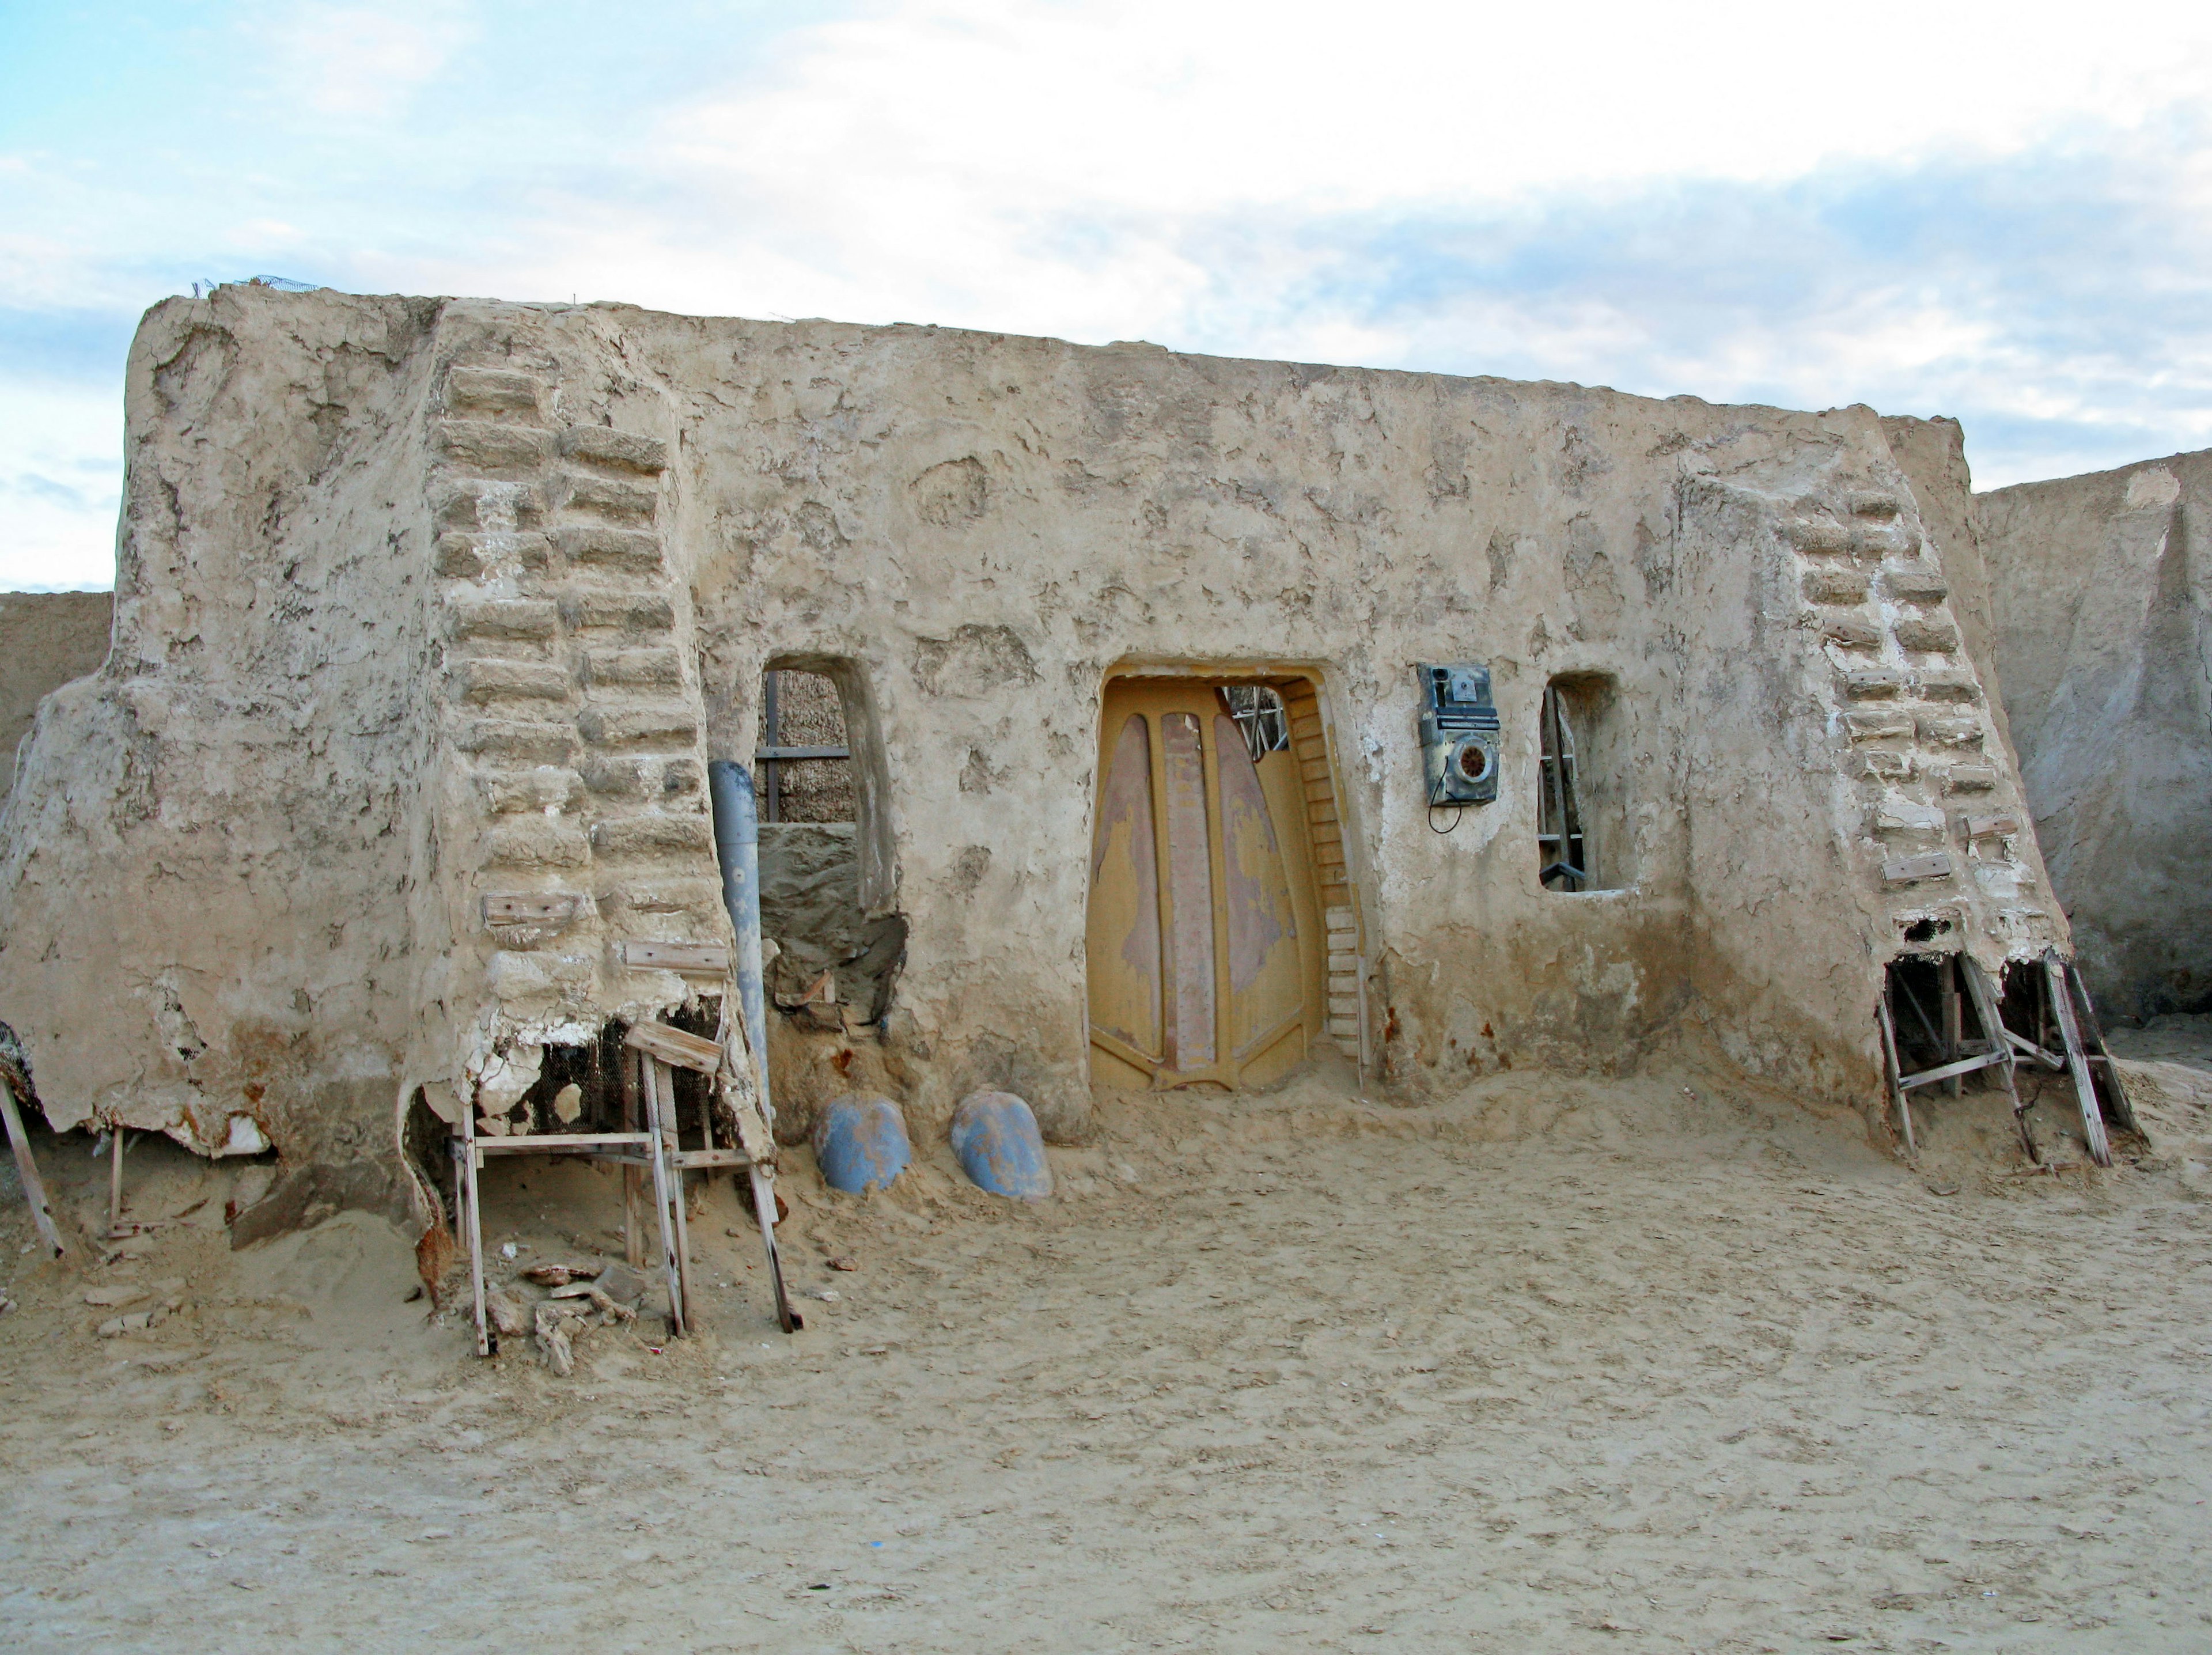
[806, 761]
[1261, 716]
[1582, 787]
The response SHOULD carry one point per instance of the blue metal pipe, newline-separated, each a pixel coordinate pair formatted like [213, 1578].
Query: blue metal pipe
[737, 848]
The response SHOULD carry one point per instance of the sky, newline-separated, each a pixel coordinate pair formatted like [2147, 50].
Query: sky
[1997, 212]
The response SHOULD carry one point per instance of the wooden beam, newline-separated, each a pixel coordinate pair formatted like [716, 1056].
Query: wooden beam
[26, 1170]
[696, 958]
[685, 1051]
[2085, 1088]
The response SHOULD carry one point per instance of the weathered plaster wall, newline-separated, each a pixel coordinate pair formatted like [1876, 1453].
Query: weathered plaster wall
[2102, 594]
[428, 603]
[46, 638]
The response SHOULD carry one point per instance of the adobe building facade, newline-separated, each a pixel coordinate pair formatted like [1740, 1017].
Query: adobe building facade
[430, 613]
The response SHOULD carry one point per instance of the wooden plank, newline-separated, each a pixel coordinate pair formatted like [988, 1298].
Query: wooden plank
[1909, 870]
[661, 1175]
[26, 1172]
[1953, 1023]
[691, 1158]
[1989, 827]
[1890, 1074]
[696, 959]
[2027, 1048]
[1985, 1008]
[633, 1177]
[2085, 1088]
[550, 1143]
[1987, 1060]
[685, 1051]
[2123, 1109]
[530, 908]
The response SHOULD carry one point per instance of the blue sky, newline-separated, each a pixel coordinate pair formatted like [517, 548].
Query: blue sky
[1990, 211]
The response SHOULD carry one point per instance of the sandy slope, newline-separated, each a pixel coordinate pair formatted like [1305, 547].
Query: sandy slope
[1567, 1366]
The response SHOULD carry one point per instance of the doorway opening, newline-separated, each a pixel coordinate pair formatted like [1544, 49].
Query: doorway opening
[838, 951]
[1219, 910]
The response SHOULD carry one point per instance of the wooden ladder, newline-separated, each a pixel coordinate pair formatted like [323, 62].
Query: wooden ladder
[651, 1145]
[2000, 1048]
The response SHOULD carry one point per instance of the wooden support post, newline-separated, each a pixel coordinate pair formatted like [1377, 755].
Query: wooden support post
[26, 1173]
[473, 1206]
[662, 1174]
[2123, 1109]
[2085, 1088]
[1984, 996]
[115, 1182]
[633, 1177]
[665, 1081]
[1892, 1071]
[1953, 1031]
[764, 1210]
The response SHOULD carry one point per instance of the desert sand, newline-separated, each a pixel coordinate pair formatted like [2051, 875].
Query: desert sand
[1656, 1363]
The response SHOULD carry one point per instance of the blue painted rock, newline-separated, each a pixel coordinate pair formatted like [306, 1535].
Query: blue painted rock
[996, 1138]
[861, 1142]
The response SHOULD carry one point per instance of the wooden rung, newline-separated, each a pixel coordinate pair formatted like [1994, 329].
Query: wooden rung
[556, 1143]
[1964, 1065]
[1318, 791]
[1320, 810]
[710, 1158]
[528, 907]
[1326, 833]
[674, 1046]
[1310, 747]
[1314, 769]
[698, 958]
[1305, 724]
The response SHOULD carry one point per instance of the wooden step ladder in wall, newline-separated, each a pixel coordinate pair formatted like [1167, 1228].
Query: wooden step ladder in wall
[1347, 958]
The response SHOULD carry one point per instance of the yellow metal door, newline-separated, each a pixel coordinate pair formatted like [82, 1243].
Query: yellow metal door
[1203, 933]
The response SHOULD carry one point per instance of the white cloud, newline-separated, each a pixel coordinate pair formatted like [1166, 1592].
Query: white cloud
[60, 486]
[364, 60]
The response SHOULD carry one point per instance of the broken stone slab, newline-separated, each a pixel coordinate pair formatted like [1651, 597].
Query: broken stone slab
[560, 1275]
[1911, 870]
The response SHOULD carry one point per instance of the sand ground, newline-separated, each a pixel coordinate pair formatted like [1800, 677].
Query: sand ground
[1657, 1364]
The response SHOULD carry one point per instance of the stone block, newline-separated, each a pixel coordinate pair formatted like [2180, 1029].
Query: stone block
[547, 842]
[1835, 585]
[490, 679]
[1874, 502]
[611, 496]
[620, 611]
[1929, 635]
[618, 778]
[1922, 587]
[514, 739]
[651, 835]
[633, 551]
[1813, 537]
[502, 617]
[1873, 725]
[494, 447]
[601, 445]
[1949, 686]
[662, 666]
[465, 556]
[1970, 778]
[1882, 765]
[1950, 729]
[1898, 813]
[1889, 540]
[536, 790]
[623, 726]
[497, 389]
